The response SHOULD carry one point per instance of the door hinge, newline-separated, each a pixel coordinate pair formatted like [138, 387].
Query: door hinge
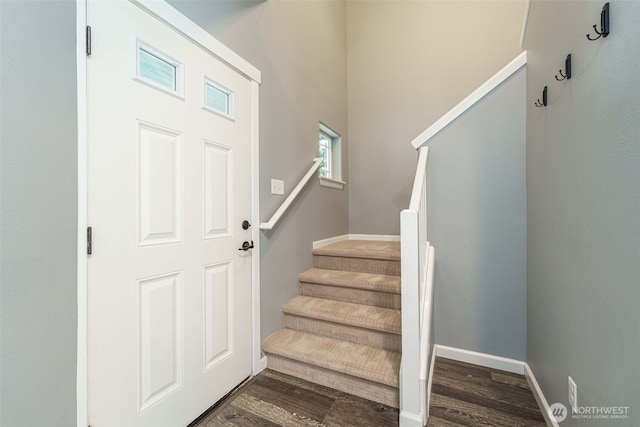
[88, 40]
[89, 240]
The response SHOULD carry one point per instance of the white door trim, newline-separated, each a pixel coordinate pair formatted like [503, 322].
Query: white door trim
[189, 29]
[82, 395]
[259, 361]
[197, 35]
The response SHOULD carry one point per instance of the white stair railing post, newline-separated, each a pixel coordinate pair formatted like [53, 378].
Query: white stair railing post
[416, 301]
[410, 415]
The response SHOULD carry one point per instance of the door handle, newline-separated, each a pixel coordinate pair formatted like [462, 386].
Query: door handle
[246, 246]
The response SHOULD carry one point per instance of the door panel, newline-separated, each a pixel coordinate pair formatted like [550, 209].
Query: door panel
[160, 313]
[169, 292]
[218, 190]
[218, 313]
[159, 185]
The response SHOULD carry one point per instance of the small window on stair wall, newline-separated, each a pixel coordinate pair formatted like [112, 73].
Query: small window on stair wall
[330, 150]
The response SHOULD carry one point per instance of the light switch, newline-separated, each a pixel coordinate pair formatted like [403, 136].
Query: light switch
[277, 186]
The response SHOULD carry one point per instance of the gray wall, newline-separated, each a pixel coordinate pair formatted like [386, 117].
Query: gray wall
[583, 206]
[477, 224]
[300, 48]
[409, 62]
[38, 213]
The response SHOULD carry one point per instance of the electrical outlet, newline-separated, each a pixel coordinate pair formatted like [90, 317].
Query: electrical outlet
[573, 395]
[277, 186]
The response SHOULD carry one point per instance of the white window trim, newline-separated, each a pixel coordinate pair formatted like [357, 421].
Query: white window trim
[335, 157]
[331, 183]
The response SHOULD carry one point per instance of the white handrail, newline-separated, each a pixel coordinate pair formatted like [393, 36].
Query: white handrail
[475, 96]
[421, 171]
[292, 196]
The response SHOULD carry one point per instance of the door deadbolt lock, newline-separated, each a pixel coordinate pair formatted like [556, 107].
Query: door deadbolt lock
[246, 246]
[245, 224]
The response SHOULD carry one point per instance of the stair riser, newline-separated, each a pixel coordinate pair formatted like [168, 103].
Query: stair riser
[366, 389]
[384, 340]
[362, 265]
[356, 296]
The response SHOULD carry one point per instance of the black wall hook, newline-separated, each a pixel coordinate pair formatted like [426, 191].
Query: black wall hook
[604, 24]
[544, 99]
[567, 70]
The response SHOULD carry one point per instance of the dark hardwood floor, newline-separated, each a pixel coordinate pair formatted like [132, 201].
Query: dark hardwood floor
[461, 395]
[470, 395]
[274, 399]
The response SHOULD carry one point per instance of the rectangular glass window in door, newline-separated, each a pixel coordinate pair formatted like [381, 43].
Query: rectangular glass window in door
[158, 70]
[218, 99]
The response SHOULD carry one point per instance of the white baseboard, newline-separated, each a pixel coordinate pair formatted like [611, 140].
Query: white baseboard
[381, 237]
[324, 242]
[537, 393]
[481, 359]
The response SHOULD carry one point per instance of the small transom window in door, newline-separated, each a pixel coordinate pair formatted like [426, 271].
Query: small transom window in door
[158, 70]
[218, 99]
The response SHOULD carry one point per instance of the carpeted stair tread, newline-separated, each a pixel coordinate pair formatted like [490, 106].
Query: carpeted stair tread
[368, 249]
[360, 315]
[370, 363]
[352, 279]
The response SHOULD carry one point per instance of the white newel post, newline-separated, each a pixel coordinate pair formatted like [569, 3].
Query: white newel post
[410, 415]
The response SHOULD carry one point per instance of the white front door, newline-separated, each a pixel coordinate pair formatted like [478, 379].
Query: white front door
[169, 163]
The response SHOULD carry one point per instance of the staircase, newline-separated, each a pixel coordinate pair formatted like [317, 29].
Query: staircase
[343, 330]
